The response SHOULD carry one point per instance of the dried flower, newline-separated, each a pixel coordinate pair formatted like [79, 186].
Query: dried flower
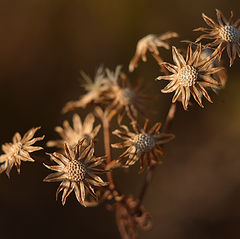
[190, 76]
[125, 98]
[95, 90]
[72, 135]
[144, 145]
[19, 150]
[226, 34]
[220, 76]
[149, 43]
[77, 171]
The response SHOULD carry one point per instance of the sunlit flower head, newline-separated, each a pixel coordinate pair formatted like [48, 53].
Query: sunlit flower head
[226, 34]
[19, 150]
[72, 135]
[191, 76]
[150, 43]
[77, 171]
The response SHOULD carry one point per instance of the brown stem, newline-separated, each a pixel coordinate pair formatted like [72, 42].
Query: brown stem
[169, 118]
[125, 221]
[160, 61]
[106, 134]
[108, 150]
[146, 183]
[168, 122]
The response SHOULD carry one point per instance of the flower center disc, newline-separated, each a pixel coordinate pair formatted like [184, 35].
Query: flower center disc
[75, 170]
[187, 76]
[144, 142]
[230, 34]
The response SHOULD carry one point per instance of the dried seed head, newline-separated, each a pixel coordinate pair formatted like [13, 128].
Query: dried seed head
[145, 145]
[150, 43]
[225, 35]
[72, 134]
[19, 150]
[144, 142]
[16, 148]
[125, 96]
[191, 76]
[75, 171]
[229, 34]
[187, 76]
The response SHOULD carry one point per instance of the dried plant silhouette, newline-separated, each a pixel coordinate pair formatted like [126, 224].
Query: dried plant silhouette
[195, 71]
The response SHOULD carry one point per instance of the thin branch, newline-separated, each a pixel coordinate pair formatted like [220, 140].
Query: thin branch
[160, 61]
[169, 118]
[125, 221]
[107, 147]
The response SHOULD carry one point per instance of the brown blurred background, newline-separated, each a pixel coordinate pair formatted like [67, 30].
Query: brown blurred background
[43, 46]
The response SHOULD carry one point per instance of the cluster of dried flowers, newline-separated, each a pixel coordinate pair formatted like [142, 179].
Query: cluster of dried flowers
[195, 71]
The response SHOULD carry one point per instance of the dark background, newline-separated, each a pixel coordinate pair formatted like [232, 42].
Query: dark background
[43, 46]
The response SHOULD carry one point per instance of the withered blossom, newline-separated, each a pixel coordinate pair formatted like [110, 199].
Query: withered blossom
[150, 43]
[72, 135]
[144, 144]
[125, 97]
[95, 91]
[19, 150]
[190, 76]
[77, 171]
[226, 34]
[220, 76]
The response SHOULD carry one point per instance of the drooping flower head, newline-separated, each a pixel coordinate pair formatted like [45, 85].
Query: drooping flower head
[226, 34]
[77, 171]
[144, 145]
[191, 75]
[150, 43]
[19, 150]
[125, 97]
[72, 135]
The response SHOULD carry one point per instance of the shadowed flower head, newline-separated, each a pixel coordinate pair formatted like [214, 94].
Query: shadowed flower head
[220, 76]
[72, 135]
[143, 144]
[191, 75]
[77, 171]
[95, 90]
[150, 43]
[124, 96]
[19, 150]
[226, 34]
